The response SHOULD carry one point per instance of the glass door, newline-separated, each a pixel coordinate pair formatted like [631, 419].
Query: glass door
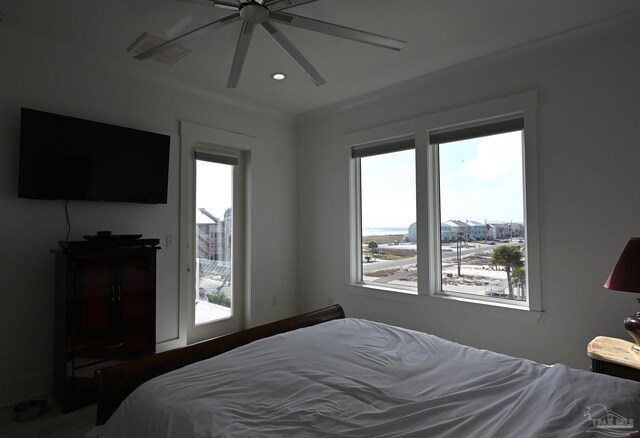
[216, 249]
[214, 241]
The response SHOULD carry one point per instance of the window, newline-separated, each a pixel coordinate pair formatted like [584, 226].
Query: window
[451, 210]
[388, 249]
[481, 211]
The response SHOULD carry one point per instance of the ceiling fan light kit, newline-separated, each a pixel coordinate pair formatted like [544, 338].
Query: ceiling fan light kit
[265, 14]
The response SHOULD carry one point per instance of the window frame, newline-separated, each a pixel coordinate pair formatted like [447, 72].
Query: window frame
[390, 145]
[427, 187]
[476, 130]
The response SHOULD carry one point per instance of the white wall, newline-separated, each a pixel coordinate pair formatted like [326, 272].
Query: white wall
[589, 193]
[48, 77]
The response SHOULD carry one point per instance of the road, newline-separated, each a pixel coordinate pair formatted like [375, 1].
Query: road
[388, 264]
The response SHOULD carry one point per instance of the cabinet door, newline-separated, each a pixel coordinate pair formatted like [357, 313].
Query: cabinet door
[93, 294]
[136, 286]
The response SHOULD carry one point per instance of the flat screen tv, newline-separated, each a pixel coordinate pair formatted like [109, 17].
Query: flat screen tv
[74, 159]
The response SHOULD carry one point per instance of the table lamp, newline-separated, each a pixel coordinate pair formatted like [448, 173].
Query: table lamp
[626, 277]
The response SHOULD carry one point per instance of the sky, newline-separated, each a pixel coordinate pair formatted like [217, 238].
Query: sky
[480, 179]
[388, 189]
[214, 187]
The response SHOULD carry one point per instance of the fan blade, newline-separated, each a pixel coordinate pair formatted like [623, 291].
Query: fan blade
[291, 50]
[191, 34]
[198, 2]
[225, 5]
[285, 4]
[337, 30]
[241, 53]
[216, 3]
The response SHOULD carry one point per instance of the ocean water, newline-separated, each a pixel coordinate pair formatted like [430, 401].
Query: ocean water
[383, 231]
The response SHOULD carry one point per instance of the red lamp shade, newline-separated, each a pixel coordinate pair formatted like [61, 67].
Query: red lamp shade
[626, 274]
[626, 277]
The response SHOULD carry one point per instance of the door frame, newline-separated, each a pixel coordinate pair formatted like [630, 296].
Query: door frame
[197, 137]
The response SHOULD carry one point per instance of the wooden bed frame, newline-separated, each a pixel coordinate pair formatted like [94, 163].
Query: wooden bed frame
[116, 382]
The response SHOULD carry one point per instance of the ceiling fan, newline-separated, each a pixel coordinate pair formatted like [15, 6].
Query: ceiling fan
[266, 13]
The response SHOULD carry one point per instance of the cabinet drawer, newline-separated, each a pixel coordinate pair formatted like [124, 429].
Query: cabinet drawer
[101, 349]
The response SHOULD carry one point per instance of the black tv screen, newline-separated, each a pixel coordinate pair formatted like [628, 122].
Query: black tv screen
[74, 159]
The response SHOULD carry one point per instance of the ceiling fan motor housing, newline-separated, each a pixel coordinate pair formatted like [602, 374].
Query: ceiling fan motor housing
[254, 13]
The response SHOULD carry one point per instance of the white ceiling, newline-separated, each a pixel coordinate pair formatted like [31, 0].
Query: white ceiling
[440, 34]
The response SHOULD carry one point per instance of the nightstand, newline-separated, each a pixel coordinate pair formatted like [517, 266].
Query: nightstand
[615, 357]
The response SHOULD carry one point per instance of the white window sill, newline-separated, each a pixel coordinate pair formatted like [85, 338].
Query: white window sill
[448, 303]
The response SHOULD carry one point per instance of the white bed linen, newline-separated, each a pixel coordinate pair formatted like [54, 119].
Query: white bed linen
[357, 378]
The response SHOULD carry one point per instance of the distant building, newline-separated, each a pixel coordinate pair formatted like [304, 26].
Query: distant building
[471, 231]
[506, 230]
[214, 235]
[448, 231]
[413, 234]
[477, 230]
[452, 229]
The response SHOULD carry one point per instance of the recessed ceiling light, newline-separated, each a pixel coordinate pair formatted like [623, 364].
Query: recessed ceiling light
[279, 76]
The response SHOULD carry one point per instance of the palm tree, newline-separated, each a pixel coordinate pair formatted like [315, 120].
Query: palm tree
[509, 256]
[519, 276]
[373, 247]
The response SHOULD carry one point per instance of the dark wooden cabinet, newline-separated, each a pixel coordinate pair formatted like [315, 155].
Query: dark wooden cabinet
[105, 312]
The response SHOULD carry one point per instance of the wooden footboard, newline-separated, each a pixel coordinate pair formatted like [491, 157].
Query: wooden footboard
[116, 382]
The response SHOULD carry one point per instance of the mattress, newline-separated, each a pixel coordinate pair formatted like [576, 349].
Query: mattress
[358, 378]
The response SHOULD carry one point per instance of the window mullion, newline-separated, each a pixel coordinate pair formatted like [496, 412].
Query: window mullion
[424, 177]
[435, 244]
[356, 224]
